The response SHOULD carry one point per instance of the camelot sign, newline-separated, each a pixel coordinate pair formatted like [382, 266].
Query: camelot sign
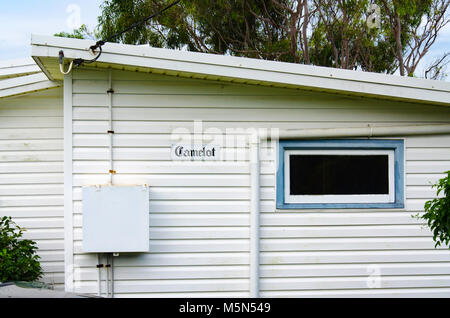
[195, 152]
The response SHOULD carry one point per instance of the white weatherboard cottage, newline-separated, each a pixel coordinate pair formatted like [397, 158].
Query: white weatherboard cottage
[320, 204]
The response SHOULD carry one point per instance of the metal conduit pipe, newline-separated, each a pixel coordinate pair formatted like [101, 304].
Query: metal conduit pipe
[112, 276]
[109, 257]
[107, 275]
[110, 129]
[360, 132]
[99, 278]
[367, 131]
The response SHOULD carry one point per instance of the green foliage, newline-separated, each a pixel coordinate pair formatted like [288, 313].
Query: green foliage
[319, 32]
[18, 259]
[81, 33]
[222, 27]
[437, 212]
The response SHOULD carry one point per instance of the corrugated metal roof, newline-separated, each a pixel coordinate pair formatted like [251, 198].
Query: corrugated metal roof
[20, 67]
[22, 77]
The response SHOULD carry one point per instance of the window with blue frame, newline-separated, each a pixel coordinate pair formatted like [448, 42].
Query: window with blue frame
[339, 174]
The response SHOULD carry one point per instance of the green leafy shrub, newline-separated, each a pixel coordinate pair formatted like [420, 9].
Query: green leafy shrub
[18, 258]
[437, 212]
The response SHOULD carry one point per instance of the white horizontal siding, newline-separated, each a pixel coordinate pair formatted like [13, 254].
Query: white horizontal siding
[176, 285]
[318, 283]
[169, 259]
[351, 270]
[31, 174]
[199, 211]
[364, 292]
[369, 257]
[183, 295]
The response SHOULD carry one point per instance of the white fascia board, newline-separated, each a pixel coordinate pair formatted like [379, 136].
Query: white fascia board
[246, 69]
[25, 84]
[14, 68]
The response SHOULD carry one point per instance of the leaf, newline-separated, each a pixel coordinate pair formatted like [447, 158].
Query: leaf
[19, 260]
[437, 212]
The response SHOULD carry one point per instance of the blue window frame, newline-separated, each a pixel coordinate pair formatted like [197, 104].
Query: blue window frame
[291, 152]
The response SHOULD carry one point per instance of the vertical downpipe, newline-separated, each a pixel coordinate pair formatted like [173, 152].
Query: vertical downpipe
[99, 278]
[112, 276]
[68, 182]
[254, 215]
[107, 275]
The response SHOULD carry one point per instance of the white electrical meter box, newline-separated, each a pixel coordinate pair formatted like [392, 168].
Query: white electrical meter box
[115, 219]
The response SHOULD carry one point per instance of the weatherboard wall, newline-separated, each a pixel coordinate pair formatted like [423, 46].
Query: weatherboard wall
[31, 174]
[199, 211]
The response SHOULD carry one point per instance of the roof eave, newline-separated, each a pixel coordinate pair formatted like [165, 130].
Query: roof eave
[245, 70]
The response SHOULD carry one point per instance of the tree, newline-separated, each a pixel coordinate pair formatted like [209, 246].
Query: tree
[319, 32]
[414, 26]
[254, 28]
[81, 33]
[343, 37]
[18, 258]
[436, 69]
[437, 212]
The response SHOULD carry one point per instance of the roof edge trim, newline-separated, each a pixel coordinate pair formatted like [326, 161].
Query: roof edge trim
[246, 69]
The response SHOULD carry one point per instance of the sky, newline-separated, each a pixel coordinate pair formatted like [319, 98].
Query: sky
[21, 18]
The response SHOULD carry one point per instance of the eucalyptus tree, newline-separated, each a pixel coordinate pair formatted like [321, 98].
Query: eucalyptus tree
[382, 36]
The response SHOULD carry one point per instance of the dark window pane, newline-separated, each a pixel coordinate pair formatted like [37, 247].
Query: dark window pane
[336, 174]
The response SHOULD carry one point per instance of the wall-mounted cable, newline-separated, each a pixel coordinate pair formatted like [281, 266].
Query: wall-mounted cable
[61, 62]
[98, 45]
